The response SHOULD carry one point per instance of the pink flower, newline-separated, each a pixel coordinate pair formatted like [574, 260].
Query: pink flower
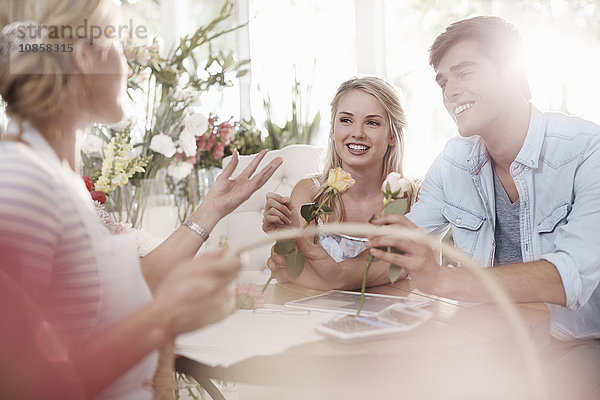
[226, 131]
[116, 228]
[395, 186]
[219, 150]
[248, 297]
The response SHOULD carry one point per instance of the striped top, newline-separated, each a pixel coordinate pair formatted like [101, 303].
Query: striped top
[54, 245]
[43, 236]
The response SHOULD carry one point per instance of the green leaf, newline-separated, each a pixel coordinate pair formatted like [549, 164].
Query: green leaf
[294, 263]
[395, 272]
[283, 247]
[398, 207]
[307, 211]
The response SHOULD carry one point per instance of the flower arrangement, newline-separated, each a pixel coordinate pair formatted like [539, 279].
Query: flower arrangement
[396, 200]
[168, 132]
[99, 198]
[338, 181]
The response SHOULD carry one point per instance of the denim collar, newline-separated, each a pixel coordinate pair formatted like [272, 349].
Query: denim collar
[528, 155]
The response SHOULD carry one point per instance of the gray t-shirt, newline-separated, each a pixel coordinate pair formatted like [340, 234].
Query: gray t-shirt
[507, 232]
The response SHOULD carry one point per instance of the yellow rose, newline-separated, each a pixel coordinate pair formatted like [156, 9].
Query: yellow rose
[339, 180]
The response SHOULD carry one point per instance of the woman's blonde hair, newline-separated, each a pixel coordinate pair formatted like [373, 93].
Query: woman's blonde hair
[32, 84]
[393, 160]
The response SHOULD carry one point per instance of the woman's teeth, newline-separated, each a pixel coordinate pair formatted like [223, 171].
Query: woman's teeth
[357, 147]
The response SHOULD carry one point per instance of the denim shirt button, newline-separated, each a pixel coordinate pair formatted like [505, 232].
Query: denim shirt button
[526, 168]
[458, 220]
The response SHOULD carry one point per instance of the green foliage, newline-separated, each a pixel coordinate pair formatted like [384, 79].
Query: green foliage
[311, 211]
[300, 129]
[248, 138]
[398, 207]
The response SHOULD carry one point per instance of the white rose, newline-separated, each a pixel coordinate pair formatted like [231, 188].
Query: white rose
[398, 186]
[163, 144]
[179, 170]
[92, 144]
[196, 123]
[187, 143]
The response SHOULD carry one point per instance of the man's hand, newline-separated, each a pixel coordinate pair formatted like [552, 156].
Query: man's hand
[419, 260]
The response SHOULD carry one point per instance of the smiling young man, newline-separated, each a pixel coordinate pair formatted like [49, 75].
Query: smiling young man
[519, 188]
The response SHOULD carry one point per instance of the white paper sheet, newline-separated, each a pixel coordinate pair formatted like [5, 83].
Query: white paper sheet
[246, 334]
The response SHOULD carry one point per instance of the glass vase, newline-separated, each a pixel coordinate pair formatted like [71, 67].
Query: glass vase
[205, 178]
[127, 203]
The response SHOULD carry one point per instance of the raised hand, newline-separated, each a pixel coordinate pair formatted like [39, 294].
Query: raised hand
[226, 194]
[418, 259]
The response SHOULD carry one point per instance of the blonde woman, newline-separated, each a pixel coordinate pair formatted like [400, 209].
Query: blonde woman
[91, 324]
[367, 122]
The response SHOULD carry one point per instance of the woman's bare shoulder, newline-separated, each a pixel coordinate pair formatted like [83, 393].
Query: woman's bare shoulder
[305, 189]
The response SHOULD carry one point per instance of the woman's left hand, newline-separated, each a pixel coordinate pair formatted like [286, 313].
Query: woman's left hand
[226, 194]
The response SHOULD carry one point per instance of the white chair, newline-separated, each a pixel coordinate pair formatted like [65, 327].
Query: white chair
[244, 223]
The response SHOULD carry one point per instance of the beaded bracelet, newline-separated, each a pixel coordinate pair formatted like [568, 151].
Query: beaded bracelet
[200, 231]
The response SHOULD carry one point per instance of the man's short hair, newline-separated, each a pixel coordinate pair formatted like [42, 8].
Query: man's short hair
[499, 40]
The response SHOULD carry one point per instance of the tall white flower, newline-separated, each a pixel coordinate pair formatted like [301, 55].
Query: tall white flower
[187, 143]
[179, 170]
[163, 144]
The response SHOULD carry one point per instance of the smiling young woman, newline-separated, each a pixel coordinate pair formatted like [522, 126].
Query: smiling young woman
[367, 122]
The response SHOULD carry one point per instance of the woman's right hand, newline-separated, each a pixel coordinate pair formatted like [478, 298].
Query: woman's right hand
[198, 292]
[278, 213]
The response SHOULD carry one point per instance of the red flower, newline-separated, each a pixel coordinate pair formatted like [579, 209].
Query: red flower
[89, 183]
[98, 196]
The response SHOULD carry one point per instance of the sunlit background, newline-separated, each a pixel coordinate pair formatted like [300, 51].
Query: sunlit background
[320, 43]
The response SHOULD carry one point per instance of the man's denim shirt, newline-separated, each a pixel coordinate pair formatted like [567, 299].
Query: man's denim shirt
[557, 174]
